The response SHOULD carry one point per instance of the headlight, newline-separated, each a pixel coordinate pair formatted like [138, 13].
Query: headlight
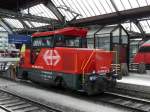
[92, 78]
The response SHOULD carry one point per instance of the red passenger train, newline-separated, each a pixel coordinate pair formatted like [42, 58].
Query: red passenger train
[61, 57]
[143, 55]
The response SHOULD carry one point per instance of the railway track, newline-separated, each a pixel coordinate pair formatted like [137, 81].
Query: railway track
[135, 104]
[132, 103]
[13, 103]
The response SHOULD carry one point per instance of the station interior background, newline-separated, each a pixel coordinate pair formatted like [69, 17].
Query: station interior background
[125, 21]
[120, 26]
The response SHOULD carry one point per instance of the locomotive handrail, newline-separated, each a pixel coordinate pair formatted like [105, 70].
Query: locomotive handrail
[83, 64]
[83, 73]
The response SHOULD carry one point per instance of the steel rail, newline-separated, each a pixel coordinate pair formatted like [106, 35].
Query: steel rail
[11, 102]
[133, 103]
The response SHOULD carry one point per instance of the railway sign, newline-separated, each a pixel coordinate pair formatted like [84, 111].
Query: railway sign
[51, 57]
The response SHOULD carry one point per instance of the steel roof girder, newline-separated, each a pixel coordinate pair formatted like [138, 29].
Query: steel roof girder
[12, 14]
[137, 23]
[6, 26]
[54, 9]
[114, 18]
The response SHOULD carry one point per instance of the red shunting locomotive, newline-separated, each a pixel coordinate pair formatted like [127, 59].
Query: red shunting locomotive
[61, 57]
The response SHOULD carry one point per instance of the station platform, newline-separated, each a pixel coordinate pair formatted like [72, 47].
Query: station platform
[137, 79]
[135, 84]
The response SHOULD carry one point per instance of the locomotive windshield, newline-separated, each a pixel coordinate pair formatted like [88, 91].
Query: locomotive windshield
[42, 42]
[67, 41]
[55, 41]
[144, 49]
[58, 41]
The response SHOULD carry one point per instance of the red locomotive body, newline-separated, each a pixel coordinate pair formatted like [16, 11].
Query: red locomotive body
[61, 58]
[143, 55]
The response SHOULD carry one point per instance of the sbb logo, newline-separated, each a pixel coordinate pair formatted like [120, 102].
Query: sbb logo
[51, 57]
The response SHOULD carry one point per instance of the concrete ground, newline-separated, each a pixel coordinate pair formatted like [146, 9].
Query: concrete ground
[68, 103]
[137, 82]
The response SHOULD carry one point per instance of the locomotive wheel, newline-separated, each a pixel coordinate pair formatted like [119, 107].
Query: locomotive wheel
[142, 68]
[24, 75]
[35, 82]
[88, 88]
[59, 82]
[96, 87]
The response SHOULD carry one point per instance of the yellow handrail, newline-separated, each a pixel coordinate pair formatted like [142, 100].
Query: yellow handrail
[83, 74]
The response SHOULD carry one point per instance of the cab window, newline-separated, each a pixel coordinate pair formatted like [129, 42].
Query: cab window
[68, 41]
[59, 41]
[38, 43]
[72, 42]
[42, 41]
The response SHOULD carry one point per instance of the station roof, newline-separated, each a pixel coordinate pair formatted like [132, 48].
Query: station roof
[31, 14]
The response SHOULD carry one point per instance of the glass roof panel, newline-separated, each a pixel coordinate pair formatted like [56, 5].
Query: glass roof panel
[106, 6]
[2, 29]
[66, 14]
[119, 5]
[88, 7]
[126, 4]
[36, 24]
[134, 3]
[93, 6]
[142, 3]
[65, 8]
[96, 7]
[72, 9]
[148, 22]
[101, 8]
[76, 8]
[131, 27]
[145, 25]
[110, 5]
[107, 29]
[84, 8]
[14, 23]
[129, 4]
[135, 28]
[29, 24]
[40, 10]
[148, 2]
